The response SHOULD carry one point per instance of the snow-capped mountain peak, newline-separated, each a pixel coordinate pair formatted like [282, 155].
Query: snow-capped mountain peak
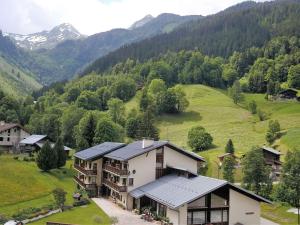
[46, 39]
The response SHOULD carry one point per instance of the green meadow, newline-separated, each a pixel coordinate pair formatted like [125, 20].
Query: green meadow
[214, 110]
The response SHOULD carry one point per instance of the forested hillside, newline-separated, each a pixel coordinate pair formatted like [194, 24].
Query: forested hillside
[236, 29]
[16, 82]
[68, 57]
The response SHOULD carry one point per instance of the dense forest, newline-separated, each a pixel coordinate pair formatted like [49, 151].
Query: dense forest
[82, 110]
[235, 29]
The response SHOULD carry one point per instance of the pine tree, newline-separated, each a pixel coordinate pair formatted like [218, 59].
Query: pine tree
[229, 147]
[147, 128]
[60, 152]
[46, 158]
[256, 173]
[229, 168]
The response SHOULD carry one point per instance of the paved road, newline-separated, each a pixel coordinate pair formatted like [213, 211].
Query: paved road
[125, 217]
[128, 218]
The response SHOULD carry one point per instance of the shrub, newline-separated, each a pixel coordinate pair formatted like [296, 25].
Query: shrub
[83, 201]
[262, 116]
[26, 159]
[16, 158]
[199, 139]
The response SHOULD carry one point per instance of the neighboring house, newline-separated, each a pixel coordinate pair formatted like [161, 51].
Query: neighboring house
[272, 158]
[35, 142]
[223, 156]
[288, 94]
[163, 176]
[10, 136]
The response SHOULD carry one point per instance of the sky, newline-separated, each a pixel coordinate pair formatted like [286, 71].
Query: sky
[94, 16]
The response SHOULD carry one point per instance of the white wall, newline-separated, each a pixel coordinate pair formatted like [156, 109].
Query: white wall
[243, 209]
[144, 166]
[173, 215]
[175, 159]
[183, 215]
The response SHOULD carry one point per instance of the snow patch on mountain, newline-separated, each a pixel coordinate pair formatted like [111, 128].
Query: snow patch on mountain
[46, 39]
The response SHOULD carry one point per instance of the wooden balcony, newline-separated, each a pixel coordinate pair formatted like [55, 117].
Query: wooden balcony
[115, 170]
[84, 171]
[114, 186]
[86, 186]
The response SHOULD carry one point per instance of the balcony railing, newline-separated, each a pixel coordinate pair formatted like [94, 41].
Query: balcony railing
[86, 186]
[115, 170]
[84, 171]
[114, 186]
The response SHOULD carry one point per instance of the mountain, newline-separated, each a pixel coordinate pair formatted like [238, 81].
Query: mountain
[15, 81]
[141, 22]
[236, 29]
[46, 39]
[73, 55]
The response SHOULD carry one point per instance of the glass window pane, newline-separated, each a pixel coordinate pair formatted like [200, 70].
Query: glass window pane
[225, 215]
[216, 216]
[199, 217]
[189, 217]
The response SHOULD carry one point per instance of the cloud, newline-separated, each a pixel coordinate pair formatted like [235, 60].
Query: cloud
[93, 16]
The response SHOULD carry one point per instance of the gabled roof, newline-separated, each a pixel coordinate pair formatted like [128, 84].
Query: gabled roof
[40, 144]
[32, 139]
[272, 150]
[6, 126]
[136, 148]
[174, 191]
[98, 150]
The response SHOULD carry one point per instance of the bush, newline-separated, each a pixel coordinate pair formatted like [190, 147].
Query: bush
[3, 219]
[83, 201]
[199, 139]
[16, 158]
[26, 159]
[262, 116]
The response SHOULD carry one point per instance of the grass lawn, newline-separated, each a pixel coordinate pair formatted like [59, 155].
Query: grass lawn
[89, 215]
[23, 185]
[278, 213]
[214, 110]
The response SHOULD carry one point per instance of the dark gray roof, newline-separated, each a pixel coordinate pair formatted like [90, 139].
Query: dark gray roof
[174, 191]
[135, 149]
[32, 139]
[272, 150]
[98, 150]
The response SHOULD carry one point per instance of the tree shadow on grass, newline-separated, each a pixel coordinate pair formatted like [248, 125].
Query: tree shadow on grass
[190, 116]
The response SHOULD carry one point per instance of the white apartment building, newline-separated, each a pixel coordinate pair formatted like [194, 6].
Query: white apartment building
[164, 176]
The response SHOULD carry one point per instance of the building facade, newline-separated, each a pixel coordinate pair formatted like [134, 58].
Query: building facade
[162, 176]
[10, 136]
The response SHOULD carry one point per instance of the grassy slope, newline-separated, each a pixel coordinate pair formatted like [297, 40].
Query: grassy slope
[85, 215]
[214, 110]
[14, 84]
[23, 185]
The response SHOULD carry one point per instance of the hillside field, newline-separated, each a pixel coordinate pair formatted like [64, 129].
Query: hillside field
[214, 110]
[16, 82]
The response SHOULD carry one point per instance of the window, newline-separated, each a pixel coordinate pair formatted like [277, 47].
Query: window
[1, 138]
[130, 182]
[216, 216]
[124, 181]
[133, 171]
[199, 217]
[8, 139]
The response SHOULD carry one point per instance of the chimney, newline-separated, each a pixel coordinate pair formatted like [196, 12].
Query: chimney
[2, 123]
[147, 143]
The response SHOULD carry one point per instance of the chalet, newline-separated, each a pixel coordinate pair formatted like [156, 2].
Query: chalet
[272, 158]
[163, 176]
[288, 94]
[35, 142]
[10, 136]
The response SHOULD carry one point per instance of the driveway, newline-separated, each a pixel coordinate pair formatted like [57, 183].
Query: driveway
[128, 218]
[125, 217]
